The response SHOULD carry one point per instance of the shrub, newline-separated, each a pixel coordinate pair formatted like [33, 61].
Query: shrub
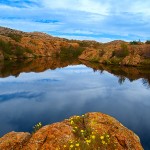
[84, 44]
[37, 127]
[70, 52]
[6, 47]
[123, 52]
[10, 49]
[147, 42]
[134, 43]
[19, 51]
[16, 37]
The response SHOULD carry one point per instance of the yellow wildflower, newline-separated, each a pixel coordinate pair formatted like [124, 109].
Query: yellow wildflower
[74, 130]
[71, 146]
[72, 122]
[107, 135]
[103, 142]
[76, 127]
[70, 141]
[82, 131]
[92, 132]
[65, 146]
[88, 141]
[102, 137]
[77, 145]
[93, 137]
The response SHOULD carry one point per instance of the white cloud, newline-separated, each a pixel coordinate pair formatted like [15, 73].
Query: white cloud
[92, 6]
[93, 19]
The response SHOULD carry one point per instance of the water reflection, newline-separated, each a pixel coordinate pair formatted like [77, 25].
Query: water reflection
[50, 93]
[14, 68]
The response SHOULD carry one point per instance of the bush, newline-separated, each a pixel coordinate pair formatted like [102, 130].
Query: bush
[123, 52]
[10, 49]
[70, 52]
[134, 43]
[6, 47]
[147, 42]
[16, 37]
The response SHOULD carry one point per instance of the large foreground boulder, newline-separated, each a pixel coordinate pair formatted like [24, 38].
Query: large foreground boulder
[92, 131]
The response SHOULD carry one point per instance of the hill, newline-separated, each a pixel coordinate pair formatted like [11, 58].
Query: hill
[16, 44]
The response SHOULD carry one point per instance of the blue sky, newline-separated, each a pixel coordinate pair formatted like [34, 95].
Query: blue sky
[101, 20]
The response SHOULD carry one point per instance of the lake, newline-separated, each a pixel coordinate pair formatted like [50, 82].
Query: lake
[49, 90]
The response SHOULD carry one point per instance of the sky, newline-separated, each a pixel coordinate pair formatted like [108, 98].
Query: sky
[100, 20]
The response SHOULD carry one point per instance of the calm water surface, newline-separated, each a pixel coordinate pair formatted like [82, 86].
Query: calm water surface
[53, 95]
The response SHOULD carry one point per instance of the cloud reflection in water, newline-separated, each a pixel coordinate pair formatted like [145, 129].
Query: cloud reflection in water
[52, 96]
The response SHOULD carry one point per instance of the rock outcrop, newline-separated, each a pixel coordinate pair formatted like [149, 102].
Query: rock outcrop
[119, 53]
[91, 131]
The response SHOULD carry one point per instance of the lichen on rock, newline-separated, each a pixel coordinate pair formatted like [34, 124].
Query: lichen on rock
[91, 131]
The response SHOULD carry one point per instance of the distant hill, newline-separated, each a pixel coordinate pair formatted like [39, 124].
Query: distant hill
[16, 44]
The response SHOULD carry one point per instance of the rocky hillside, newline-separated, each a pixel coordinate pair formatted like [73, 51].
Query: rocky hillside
[119, 53]
[92, 131]
[17, 44]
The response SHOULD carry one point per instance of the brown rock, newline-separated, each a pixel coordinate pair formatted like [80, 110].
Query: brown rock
[58, 135]
[14, 140]
[90, 54]
[132, 60]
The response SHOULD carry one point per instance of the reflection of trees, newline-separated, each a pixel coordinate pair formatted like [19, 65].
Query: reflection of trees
[146, 83]
[14, 68]
[122, 72]
[121, 80]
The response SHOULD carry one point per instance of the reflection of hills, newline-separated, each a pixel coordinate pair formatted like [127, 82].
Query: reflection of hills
[122, 72]
[14, 68]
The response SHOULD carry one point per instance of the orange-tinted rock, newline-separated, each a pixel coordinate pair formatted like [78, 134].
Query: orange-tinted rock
[118, 53]
[90, 54]
[132, 60]
[14, 140]
[55, 136]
